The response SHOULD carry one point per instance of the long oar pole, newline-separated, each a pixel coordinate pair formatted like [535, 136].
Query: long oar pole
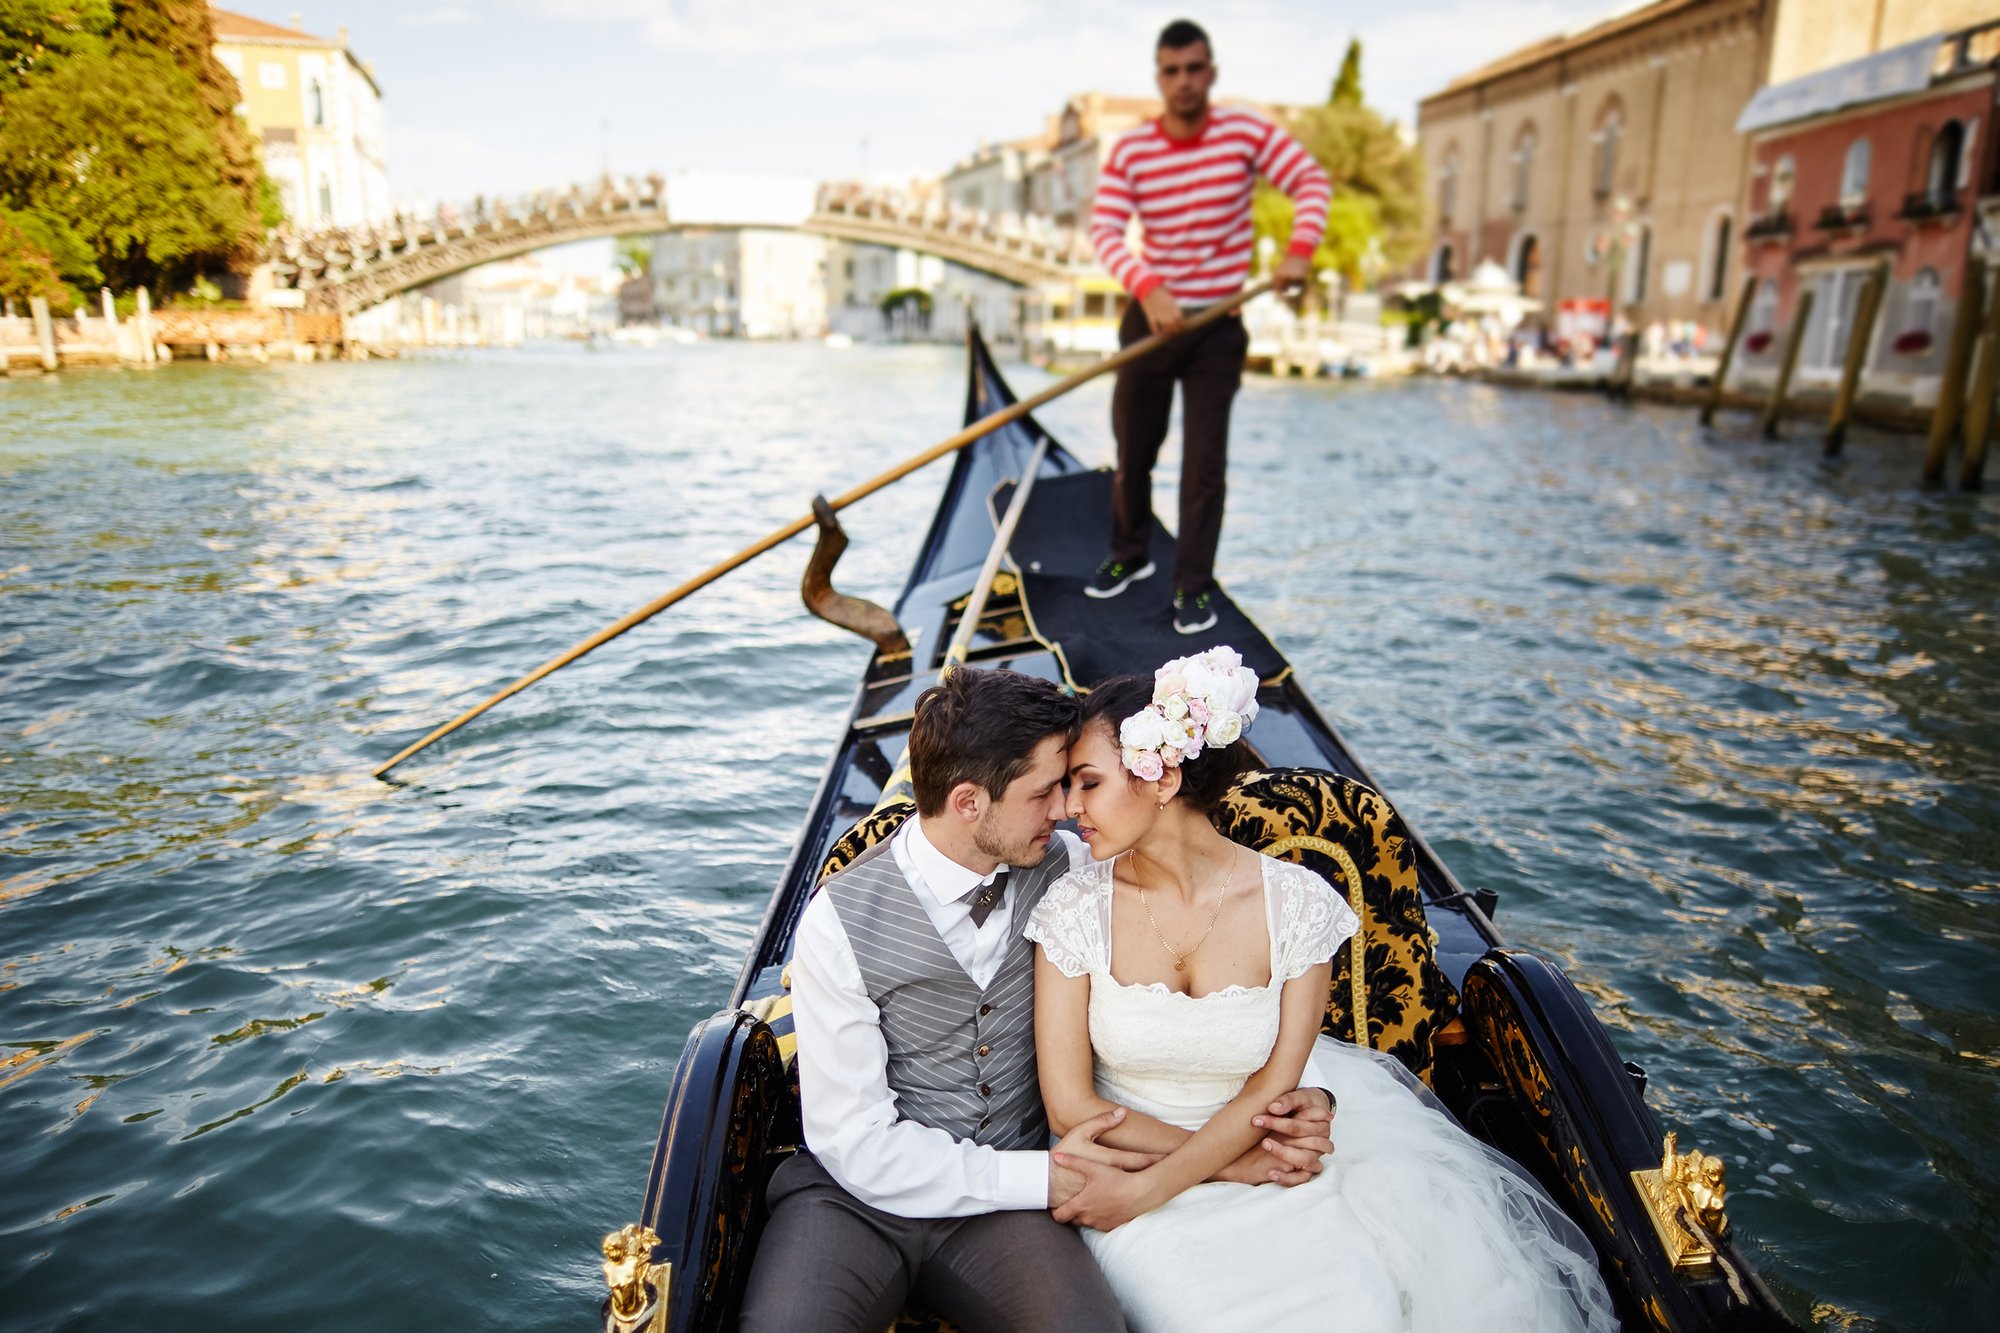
[977, 430]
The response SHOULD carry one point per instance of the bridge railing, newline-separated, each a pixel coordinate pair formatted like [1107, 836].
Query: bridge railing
[1026, 234]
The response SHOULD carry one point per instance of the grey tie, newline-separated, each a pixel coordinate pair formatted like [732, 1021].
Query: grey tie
[988, 898]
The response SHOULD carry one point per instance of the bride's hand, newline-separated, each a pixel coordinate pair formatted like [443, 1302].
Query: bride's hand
[1298, 1133]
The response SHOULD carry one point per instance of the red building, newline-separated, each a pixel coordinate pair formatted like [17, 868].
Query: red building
[1890, 159]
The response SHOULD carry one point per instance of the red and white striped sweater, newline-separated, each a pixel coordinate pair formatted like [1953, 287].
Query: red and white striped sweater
[1193, 201]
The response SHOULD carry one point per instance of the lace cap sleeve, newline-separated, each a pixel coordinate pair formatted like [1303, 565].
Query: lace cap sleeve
[1314, 919]
[1067, 923]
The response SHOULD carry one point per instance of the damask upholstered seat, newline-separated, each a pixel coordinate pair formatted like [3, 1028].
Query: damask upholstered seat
[870, 829]
[1345, 831]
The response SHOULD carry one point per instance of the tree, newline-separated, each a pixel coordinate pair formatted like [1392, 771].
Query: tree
[107, 146]
[26, 269]
[1347, 87]
[1377, 182]
[38, 33]
[633, 255]
[121, 153]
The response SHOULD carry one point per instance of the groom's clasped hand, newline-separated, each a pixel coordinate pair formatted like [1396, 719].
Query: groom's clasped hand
[1091, 1184]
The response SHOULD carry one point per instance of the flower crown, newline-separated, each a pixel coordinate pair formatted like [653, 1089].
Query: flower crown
[1203, 701]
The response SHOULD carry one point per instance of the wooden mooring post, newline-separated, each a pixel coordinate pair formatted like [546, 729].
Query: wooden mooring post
[1979, 409]
[1950, 409]
[1866, 311]
[45, 330]
[1795, 340]
[1729, 350]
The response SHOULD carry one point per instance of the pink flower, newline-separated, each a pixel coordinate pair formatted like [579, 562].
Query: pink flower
[1166, 685]
[1146, 766]
[1198, 711]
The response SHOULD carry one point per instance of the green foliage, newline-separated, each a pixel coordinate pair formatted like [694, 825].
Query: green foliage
[121, 153]
[633, 255]
[27, 270]
[37, 33]
[1377, 183]
[66, 250]
[1347, 87]
[106, 144]
[910, 296]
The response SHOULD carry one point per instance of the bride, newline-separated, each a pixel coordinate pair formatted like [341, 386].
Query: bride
[1183, 977]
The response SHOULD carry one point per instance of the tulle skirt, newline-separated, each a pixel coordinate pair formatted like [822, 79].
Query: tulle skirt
[1414, 1227]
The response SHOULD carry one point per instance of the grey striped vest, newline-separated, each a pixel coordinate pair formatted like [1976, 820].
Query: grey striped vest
[960, 1059]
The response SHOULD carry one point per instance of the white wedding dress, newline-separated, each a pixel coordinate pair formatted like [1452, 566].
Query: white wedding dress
[1413, 1226]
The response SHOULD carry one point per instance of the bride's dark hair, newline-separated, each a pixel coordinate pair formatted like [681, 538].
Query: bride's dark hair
[1205, 779]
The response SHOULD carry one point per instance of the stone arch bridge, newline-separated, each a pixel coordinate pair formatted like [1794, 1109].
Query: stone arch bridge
[347, 270]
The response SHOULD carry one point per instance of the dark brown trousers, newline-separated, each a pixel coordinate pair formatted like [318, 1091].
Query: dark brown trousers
[1209, 368]
[829, 1263]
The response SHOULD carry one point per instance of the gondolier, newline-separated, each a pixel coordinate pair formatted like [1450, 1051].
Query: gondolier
[1189, 177]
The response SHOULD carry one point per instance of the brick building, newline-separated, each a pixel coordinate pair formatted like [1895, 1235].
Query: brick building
[1887, 160]
[1605, 163]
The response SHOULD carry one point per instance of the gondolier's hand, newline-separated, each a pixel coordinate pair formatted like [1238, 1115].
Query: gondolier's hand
[1163, 312]
[1292, 275]
[1079, 1151]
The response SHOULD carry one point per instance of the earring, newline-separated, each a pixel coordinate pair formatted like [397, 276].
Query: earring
[1163, 803]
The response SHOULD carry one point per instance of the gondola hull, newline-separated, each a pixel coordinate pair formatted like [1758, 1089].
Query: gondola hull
[1528, 1067]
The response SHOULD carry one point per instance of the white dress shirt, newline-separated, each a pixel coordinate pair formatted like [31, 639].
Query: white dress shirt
[848, 1109]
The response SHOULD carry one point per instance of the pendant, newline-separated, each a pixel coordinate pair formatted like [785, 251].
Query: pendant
[1179, 966]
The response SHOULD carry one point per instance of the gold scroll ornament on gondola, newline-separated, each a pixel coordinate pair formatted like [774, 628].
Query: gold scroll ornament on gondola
[1685, 1197]
[638, 1285]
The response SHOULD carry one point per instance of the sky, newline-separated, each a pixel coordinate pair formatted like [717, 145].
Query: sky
[505, 96]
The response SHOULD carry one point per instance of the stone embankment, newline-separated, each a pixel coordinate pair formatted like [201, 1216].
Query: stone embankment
[43, 341]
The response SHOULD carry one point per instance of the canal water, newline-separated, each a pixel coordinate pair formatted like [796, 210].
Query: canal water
[1718, 720]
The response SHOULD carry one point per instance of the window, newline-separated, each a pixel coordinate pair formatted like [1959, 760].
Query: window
[1854, 176]
[1784, 175]
[1441, 264]
[1447, 186]
[1718, 259]
[1835, 296]
[1528, 266]
[1920, 309]
[1610, 128]
[1942, 181]
[1764, 309]
[271, 74]
[318, 103]
[1524, 168]
[231, 61]
[325, 198]
[1638, 258]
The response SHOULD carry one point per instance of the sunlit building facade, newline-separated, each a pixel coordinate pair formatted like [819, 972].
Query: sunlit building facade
[317, 113]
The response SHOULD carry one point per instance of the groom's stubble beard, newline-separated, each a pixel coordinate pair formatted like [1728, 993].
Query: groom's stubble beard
[990, 843]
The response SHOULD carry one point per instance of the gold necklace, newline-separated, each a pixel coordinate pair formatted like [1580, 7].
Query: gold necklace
[1180, 959]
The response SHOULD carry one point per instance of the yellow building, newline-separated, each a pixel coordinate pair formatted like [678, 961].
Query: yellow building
[1603, 164]
[318, 112]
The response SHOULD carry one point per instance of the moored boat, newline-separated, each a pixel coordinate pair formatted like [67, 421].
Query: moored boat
[1501, 1034]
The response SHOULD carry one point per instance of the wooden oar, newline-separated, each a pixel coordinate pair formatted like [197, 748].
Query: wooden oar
[977, 430]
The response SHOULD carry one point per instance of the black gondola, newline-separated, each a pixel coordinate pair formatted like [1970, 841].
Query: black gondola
[1501, 1034]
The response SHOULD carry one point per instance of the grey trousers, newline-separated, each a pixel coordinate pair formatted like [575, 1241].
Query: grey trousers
[829, 1263]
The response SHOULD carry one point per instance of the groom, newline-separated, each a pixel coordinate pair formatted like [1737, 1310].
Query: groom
[925, 1173]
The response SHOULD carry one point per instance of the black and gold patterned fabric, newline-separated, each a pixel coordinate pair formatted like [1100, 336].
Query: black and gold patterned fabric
[870, 829]
[1409, 998]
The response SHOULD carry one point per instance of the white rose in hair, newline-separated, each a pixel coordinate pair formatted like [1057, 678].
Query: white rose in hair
[1144, 730]
[1177, 707]
[1225, 657]
[1201, 681]
[1224, 728]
